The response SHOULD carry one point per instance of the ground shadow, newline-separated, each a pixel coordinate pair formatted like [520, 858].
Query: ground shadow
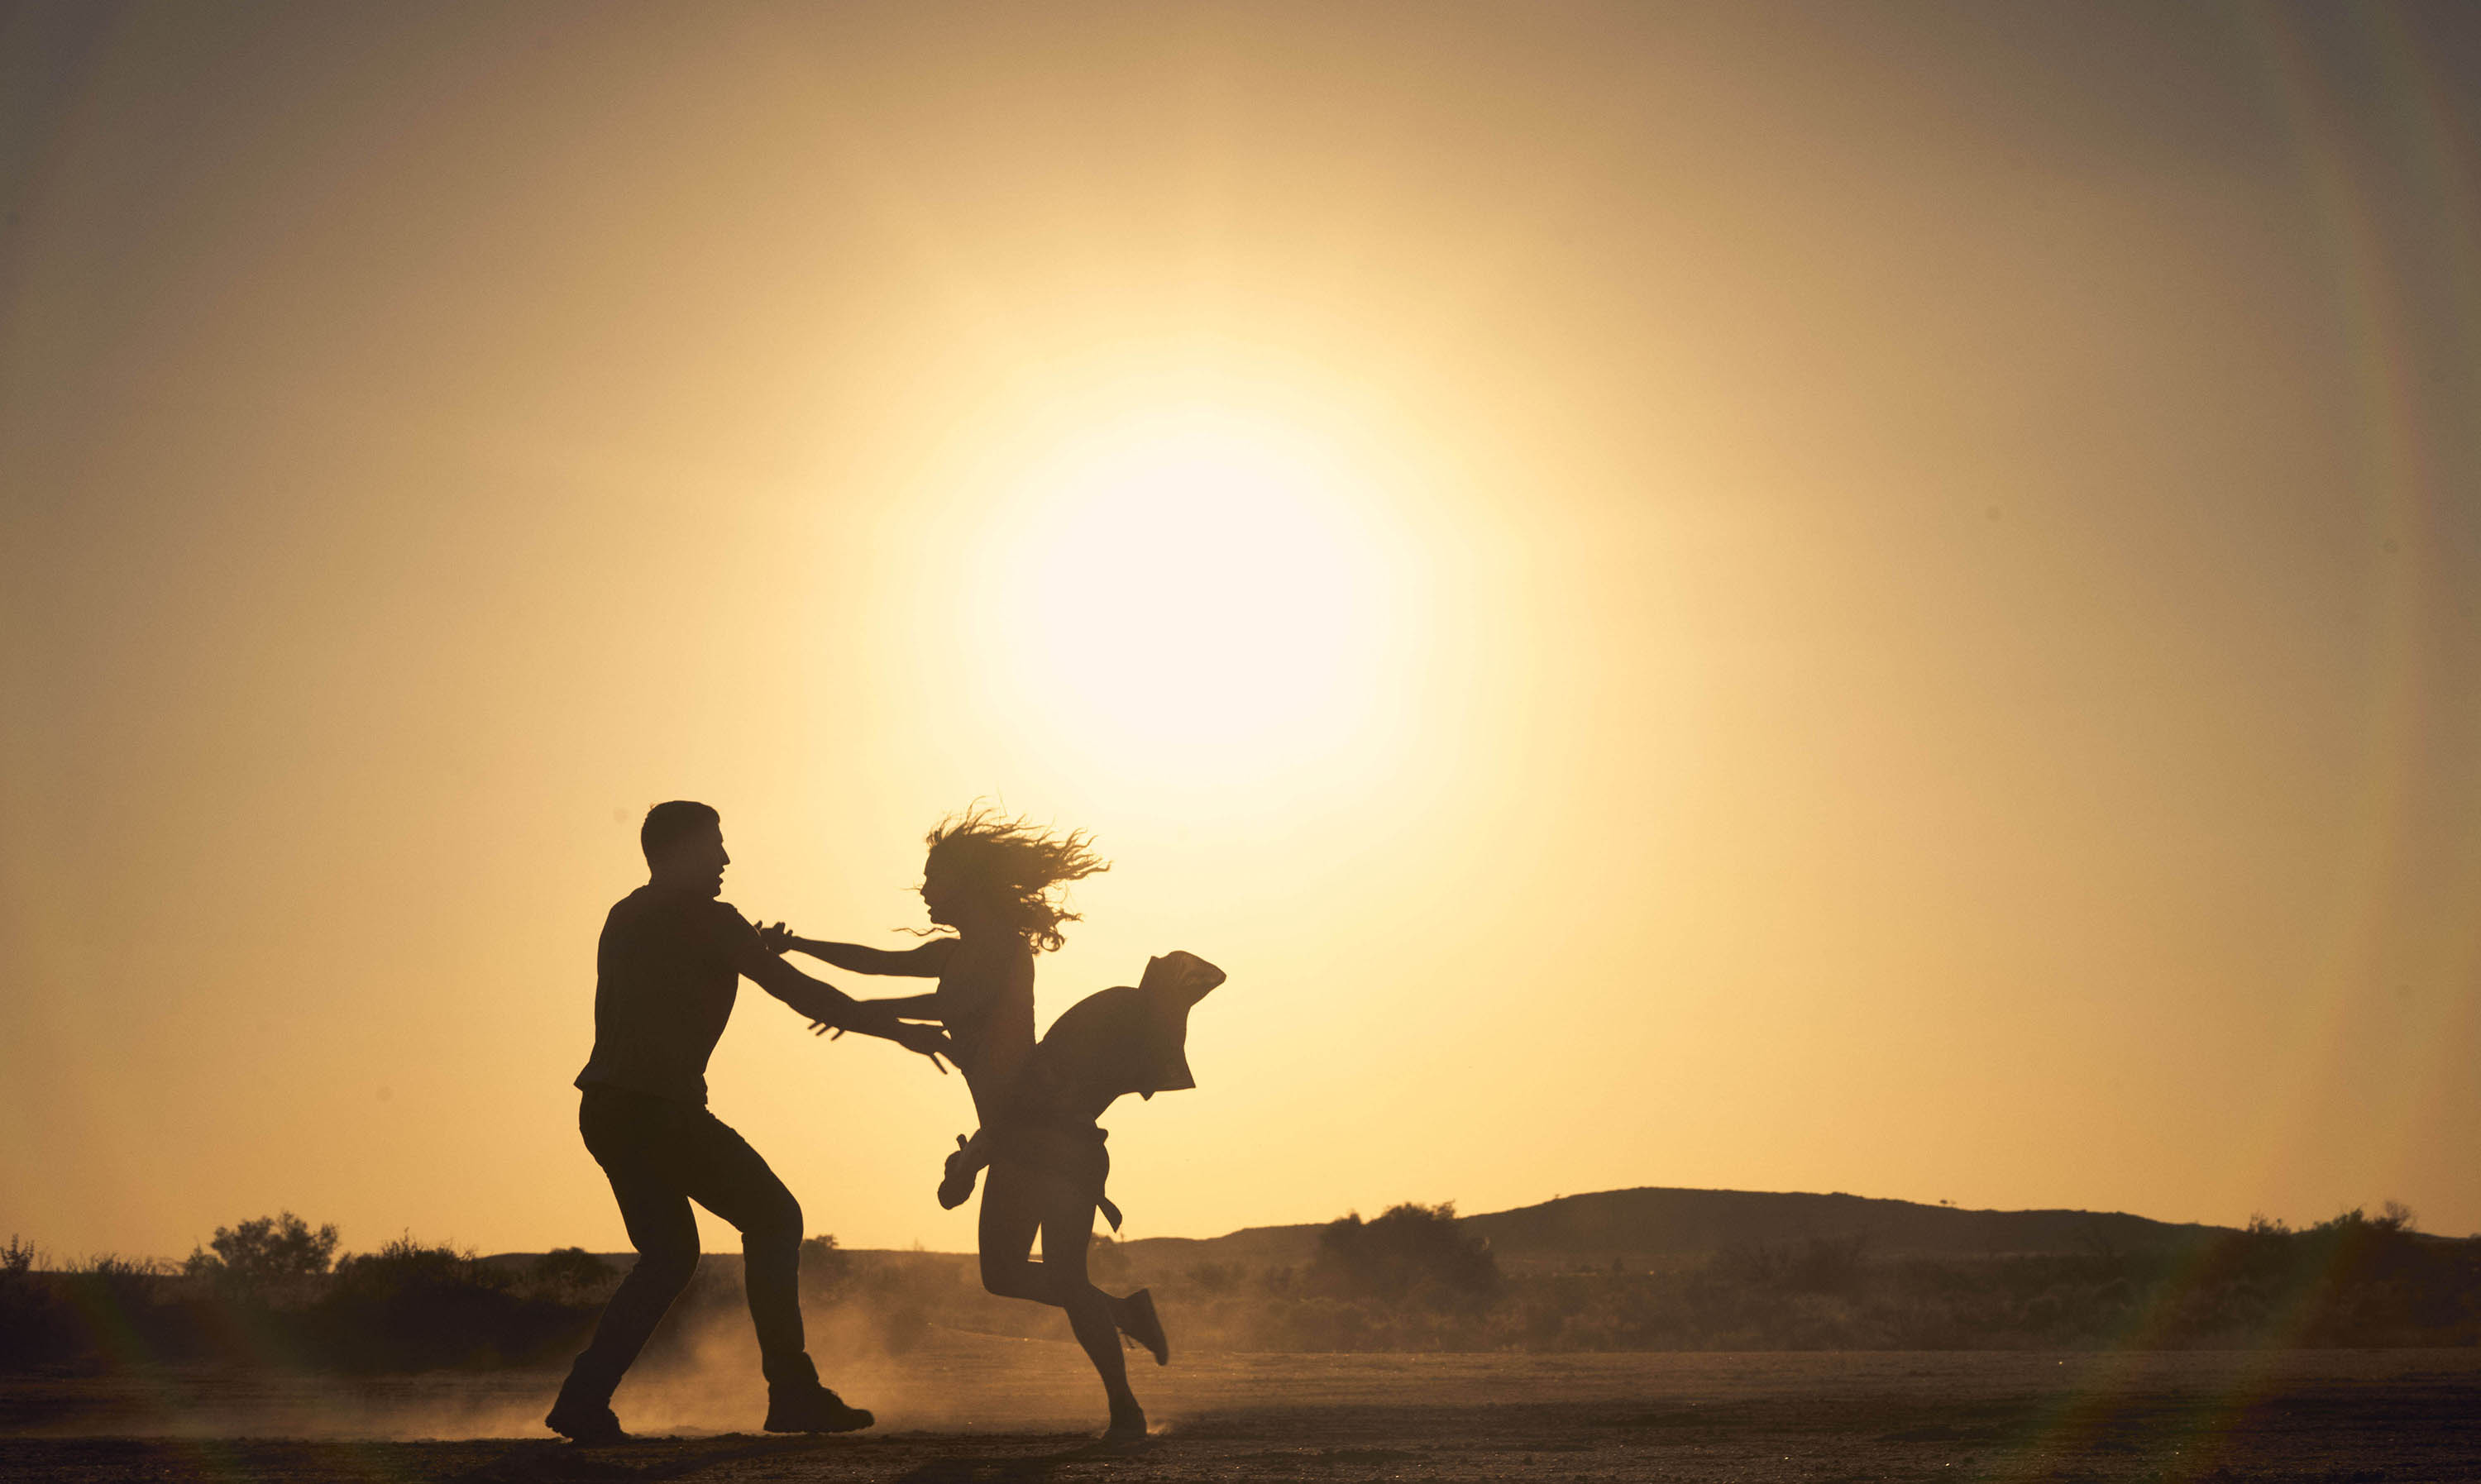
[565, 1463]
[1013, 1471]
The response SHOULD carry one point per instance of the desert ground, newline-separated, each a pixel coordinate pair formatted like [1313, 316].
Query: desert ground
[964, 1409]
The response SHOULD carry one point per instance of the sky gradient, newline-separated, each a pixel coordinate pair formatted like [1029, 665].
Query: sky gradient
[1829, 598]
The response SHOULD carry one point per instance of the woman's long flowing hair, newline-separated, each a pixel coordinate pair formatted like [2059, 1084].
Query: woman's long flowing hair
[1017, 867]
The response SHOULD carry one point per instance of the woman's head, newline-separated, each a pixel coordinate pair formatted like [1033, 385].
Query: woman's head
[983, 863]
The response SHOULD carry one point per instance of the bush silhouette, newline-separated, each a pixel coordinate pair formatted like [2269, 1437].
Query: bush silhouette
[571, 1274]
[1408, 1252]
[826, 1270]
[265, 1255]
[37, 1326]
[1412, 1279]
[1815, 1265]
[1217, 1278]
[414, 1307]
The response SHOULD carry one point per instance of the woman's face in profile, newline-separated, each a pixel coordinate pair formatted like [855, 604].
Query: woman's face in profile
[939, 890]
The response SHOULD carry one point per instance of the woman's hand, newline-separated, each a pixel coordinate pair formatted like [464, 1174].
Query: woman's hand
[779, 939]
[876, 1020]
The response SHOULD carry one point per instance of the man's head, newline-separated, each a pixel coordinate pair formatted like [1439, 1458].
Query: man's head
[684, 846]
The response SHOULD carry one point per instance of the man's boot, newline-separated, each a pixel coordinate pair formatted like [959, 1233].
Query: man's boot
[583, 1413]
[795, 1401]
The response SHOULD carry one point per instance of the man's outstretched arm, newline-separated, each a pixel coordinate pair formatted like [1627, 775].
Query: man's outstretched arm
[829, 1005]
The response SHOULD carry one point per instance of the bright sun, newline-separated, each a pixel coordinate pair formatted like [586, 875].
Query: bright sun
[1198, 590]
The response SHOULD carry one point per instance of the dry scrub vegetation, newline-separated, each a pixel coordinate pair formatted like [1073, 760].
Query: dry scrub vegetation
[272, 1291]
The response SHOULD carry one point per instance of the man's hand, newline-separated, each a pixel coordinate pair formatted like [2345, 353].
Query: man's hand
[928, 1040]
[777, 939]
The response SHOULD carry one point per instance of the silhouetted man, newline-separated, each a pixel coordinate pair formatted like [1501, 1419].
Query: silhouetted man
[669, 965]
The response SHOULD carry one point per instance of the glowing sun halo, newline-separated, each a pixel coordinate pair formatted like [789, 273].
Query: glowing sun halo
[1200, 591]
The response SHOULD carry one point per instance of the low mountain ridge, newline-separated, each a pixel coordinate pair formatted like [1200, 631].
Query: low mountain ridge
[1652, 1225]
[1655, 1219]
[1654, 1222]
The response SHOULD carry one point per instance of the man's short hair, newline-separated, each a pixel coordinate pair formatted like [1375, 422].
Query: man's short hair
[677, 819]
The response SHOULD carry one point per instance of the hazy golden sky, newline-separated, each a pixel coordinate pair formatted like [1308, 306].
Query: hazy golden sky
[1876, 598]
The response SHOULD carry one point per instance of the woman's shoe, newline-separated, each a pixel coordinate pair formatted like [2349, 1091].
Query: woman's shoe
[1128, 1424]
[1141, 1324]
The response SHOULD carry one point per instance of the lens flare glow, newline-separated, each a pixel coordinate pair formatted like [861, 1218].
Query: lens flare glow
[1198, 590]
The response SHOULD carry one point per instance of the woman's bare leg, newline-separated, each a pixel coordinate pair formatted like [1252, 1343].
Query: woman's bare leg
[1010, 1218]
[1018, 1202]
[1067, 1228]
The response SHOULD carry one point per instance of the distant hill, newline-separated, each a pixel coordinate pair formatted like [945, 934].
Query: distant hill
[1654, 1222]
[1651, 1224]
[1668, 1221]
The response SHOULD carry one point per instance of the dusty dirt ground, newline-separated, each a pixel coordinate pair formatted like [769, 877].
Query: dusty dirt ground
[971, 1412]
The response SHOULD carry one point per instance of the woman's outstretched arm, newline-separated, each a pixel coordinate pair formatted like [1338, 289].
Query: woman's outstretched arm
[927, 962]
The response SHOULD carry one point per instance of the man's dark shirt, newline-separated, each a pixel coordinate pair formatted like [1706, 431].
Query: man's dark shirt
[664, 988]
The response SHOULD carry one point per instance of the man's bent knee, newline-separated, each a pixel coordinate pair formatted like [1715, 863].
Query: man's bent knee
[667, 1271]
[775, 1224]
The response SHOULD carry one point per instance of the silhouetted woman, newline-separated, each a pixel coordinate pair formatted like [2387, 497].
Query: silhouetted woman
[994, 880]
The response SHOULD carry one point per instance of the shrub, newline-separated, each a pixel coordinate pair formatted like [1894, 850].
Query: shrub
[116, 1301]
[267, 1255]
[36, 1325]
[570, 1274]
[1816, 1264]
[1409, 1252]
[415, 1307]
[1217, 1278]
[826, 1270]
